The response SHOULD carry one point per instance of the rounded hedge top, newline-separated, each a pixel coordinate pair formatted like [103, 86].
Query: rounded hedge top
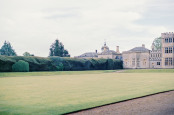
[20, 66]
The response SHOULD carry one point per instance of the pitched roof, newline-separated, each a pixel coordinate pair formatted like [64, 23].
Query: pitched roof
[89, 54]
[138, 49]
[109, 52]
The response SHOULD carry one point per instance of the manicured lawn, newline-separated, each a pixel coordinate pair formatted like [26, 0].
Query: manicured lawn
[22, 74]
[149, 71]
[58, 94]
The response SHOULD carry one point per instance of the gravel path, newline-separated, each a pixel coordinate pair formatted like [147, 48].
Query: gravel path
[159, 104]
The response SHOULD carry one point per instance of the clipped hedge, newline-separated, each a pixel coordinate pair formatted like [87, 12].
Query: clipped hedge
[59, 63]
[20, 66]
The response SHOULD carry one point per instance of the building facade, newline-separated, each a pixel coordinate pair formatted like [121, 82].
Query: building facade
[109, 54]
[140, 57]
[155, 57]
[167, 50]
[105, 53]
[136, 58]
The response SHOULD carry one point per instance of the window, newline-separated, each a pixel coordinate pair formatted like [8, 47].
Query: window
[158, 63]
[144, 62]
[166, 40]
[138, 62]
[170, 61]
[133, 61]
[117, 57]
[126, 62]
[166, 61]
[170, 40]
[170, 49]
[166, 49]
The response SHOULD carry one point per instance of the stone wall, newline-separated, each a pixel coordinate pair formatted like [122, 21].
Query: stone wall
[164, 45]
[136, 60]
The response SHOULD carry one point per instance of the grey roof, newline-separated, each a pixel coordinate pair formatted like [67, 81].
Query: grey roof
[109, 52]
[104, 47]
[89, 54]
[138, 49]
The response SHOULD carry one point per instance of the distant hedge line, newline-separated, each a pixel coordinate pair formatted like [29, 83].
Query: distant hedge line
[59, 63]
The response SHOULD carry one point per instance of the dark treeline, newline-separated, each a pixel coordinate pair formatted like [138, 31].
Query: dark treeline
[55, 63]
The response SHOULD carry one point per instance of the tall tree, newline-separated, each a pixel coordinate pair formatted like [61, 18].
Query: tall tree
[57, 49]
[7, 49]
[157, 43]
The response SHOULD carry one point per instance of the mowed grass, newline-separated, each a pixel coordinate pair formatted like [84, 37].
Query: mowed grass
[52, 73]
[58, 94]
[149, 71]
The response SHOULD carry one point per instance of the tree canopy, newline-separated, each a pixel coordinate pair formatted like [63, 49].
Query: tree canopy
[57, 49]
[27, 54]
[157, 43]
[7, 49]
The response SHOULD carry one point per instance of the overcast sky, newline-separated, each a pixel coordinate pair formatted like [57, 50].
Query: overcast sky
[83, 25]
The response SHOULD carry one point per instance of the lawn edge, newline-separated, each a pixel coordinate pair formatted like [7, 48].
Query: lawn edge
[63, 73]
[117, 102]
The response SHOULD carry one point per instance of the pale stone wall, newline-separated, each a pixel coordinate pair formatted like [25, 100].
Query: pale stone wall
[111, 56]
[156, 59]
[136, 60]
[164, 45]
[153, 65]
[107, 56]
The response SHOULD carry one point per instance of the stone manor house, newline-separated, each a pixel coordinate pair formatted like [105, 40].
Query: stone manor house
[141, 57]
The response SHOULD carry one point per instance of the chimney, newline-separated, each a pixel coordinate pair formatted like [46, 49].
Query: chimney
[95, 51]
[143, 45]
[117, 49]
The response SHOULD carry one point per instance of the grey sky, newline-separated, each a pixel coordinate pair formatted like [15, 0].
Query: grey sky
[82, 25]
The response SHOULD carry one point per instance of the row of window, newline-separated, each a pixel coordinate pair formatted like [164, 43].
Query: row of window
[138, 62]
[155, 55]
[169, 40]
[133, 62]
[168, 61]
[169, 49]
[158, 58]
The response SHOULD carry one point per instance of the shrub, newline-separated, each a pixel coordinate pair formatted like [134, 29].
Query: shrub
[20, 66]
[75, 64]
[110, 64]
[6, 63]
[60, 67]
[56, 63]
[118, 64]
[101, 64]
[36, 63]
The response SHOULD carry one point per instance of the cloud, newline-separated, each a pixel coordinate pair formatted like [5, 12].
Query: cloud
[82, 25]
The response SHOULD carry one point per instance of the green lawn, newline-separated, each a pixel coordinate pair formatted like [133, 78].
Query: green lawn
[52, 73]
[58, 94]
[149, 71]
